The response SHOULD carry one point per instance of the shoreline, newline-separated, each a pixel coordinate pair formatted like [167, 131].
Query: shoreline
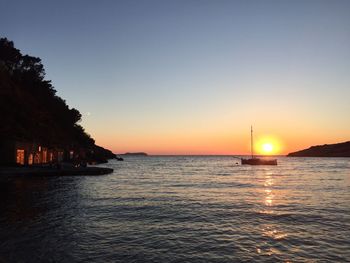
[49, 171]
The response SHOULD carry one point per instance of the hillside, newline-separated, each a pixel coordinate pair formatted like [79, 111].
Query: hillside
[327, 150]
[31, 111]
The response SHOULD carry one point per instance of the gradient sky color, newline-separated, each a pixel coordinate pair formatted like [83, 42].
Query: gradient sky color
[190, 77]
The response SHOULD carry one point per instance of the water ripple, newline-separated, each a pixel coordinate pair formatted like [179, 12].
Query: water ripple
[182, 209]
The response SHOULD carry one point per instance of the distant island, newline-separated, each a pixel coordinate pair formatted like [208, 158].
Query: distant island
[326, 150]
[135, 154]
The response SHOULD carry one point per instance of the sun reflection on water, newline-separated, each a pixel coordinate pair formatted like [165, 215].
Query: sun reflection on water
[271, 229]
[268, 189]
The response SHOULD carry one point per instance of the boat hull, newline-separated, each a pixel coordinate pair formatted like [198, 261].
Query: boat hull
[257, 161]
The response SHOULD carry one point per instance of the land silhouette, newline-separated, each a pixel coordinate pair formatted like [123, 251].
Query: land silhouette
[326, 150]
[135, 154]
[30, 110]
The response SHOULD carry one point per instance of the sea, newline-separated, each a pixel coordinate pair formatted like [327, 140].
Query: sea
[181, 209]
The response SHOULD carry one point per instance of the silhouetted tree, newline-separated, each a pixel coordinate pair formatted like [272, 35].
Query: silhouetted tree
[29, 107]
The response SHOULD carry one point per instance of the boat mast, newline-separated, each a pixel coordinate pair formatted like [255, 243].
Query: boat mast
[251, 141]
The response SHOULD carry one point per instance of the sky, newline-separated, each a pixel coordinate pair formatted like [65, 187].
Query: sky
[190, 77]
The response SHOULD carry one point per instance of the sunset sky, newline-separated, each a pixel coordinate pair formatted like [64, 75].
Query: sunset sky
[190, 77]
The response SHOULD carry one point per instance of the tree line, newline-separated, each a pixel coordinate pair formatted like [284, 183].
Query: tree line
[30, 110]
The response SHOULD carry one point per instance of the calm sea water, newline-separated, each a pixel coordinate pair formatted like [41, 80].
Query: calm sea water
[181, 209]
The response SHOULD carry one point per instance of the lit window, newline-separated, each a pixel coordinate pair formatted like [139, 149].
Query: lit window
[20, 156]
[30, 159]
[37, 158]
[44, 156]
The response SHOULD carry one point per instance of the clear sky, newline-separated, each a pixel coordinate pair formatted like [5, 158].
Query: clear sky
[190, 77]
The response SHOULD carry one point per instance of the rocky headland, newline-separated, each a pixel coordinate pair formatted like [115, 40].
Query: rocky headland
[326, 150]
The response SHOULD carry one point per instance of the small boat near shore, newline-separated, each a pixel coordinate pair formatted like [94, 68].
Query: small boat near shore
[254, 160]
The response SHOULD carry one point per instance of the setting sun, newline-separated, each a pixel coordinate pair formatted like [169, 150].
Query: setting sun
[267, 147]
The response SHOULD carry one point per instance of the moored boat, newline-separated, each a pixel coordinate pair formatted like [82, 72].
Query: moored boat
[259, 161]
[256, 161]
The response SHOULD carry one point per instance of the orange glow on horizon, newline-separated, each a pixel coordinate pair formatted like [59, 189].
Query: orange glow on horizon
[216, 142]
[196, 145]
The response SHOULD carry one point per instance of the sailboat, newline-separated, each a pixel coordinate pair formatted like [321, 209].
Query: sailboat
[256, 161]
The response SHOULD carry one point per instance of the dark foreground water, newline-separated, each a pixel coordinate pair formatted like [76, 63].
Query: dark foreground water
[181, 209]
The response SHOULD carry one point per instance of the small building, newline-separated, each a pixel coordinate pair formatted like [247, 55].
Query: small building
[30, 153]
